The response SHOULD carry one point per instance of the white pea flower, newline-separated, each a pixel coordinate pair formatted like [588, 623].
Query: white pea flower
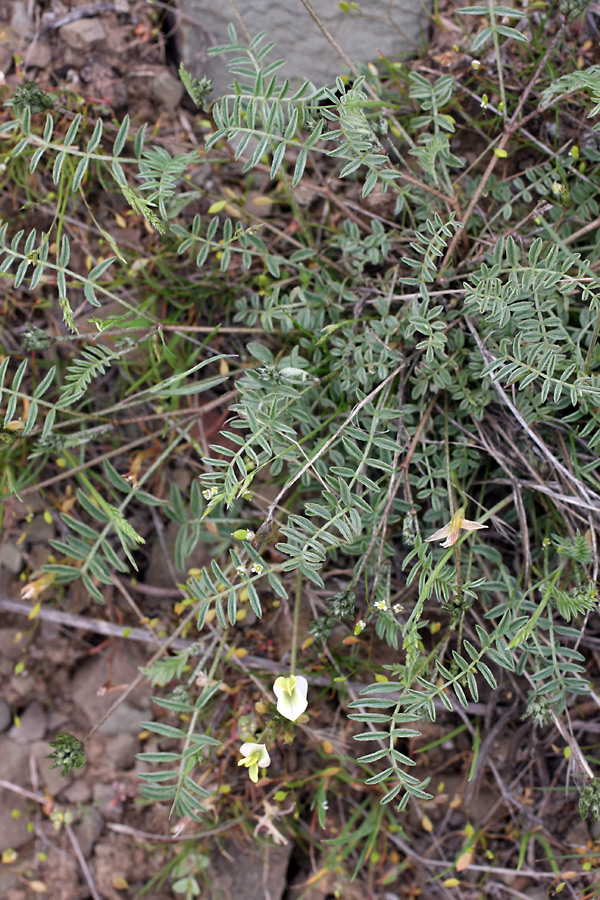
[258, 568]
[253, 756]
[397, 607]
[380, 604]
[240, 570]
[291, 696]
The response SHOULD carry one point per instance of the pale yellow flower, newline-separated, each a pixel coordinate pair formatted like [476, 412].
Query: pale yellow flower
[34, 588]
[452, 530]
[291, 696]
[253, 756]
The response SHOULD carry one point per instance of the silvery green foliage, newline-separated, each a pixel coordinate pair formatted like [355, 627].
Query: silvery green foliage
[370, 350]
[572, 9]
[513, 330]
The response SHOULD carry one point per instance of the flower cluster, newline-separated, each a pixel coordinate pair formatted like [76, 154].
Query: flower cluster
[291, 693]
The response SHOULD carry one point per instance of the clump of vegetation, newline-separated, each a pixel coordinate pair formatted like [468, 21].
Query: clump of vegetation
[407, 467]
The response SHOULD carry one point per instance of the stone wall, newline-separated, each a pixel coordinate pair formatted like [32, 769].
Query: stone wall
[394, 28]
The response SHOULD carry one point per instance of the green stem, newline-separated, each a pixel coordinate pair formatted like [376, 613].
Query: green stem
[525, 632]
[451, 492]
[498, 60]
[297, 605]
[426, 589]
[188, 761]
[588, 359]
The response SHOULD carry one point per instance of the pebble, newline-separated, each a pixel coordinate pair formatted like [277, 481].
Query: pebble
[38, 553]
[258, 205]
[107, 803]
[167, 89]
[88, 830]
[126, 718]
[87, 689]
[5, 715]
[24, 684]
[79, 792]
[40, 531]
[12, 642]
[32, 726]
[13, 831]
[39, 55]
[8, 880]
[83, 33]
[121, 750]
[182, 478]
[21, 21]
[6, 58]
[11, 557]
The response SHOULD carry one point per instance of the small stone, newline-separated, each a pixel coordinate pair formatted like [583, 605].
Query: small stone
[40, 531]
[258, 205]
[126, 718]
[32, 725]
[88, 830]
[182, 478]
[245, 878]
[79, 792]
[21, 21]
[8, 880]
[14, 765]
[11, 557]
[103, 81]
[83, 34]
[23, 685]
[89, 685]
[5, 715]
[6, 58]
[39, 55]
[579, 833]
[57, 719]
[38, 556]
[249, 619]
[304, 195]
[106, 802]
[167, 89]
[121, 750]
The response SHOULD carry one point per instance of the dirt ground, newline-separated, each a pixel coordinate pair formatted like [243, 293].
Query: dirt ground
[122, 57]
